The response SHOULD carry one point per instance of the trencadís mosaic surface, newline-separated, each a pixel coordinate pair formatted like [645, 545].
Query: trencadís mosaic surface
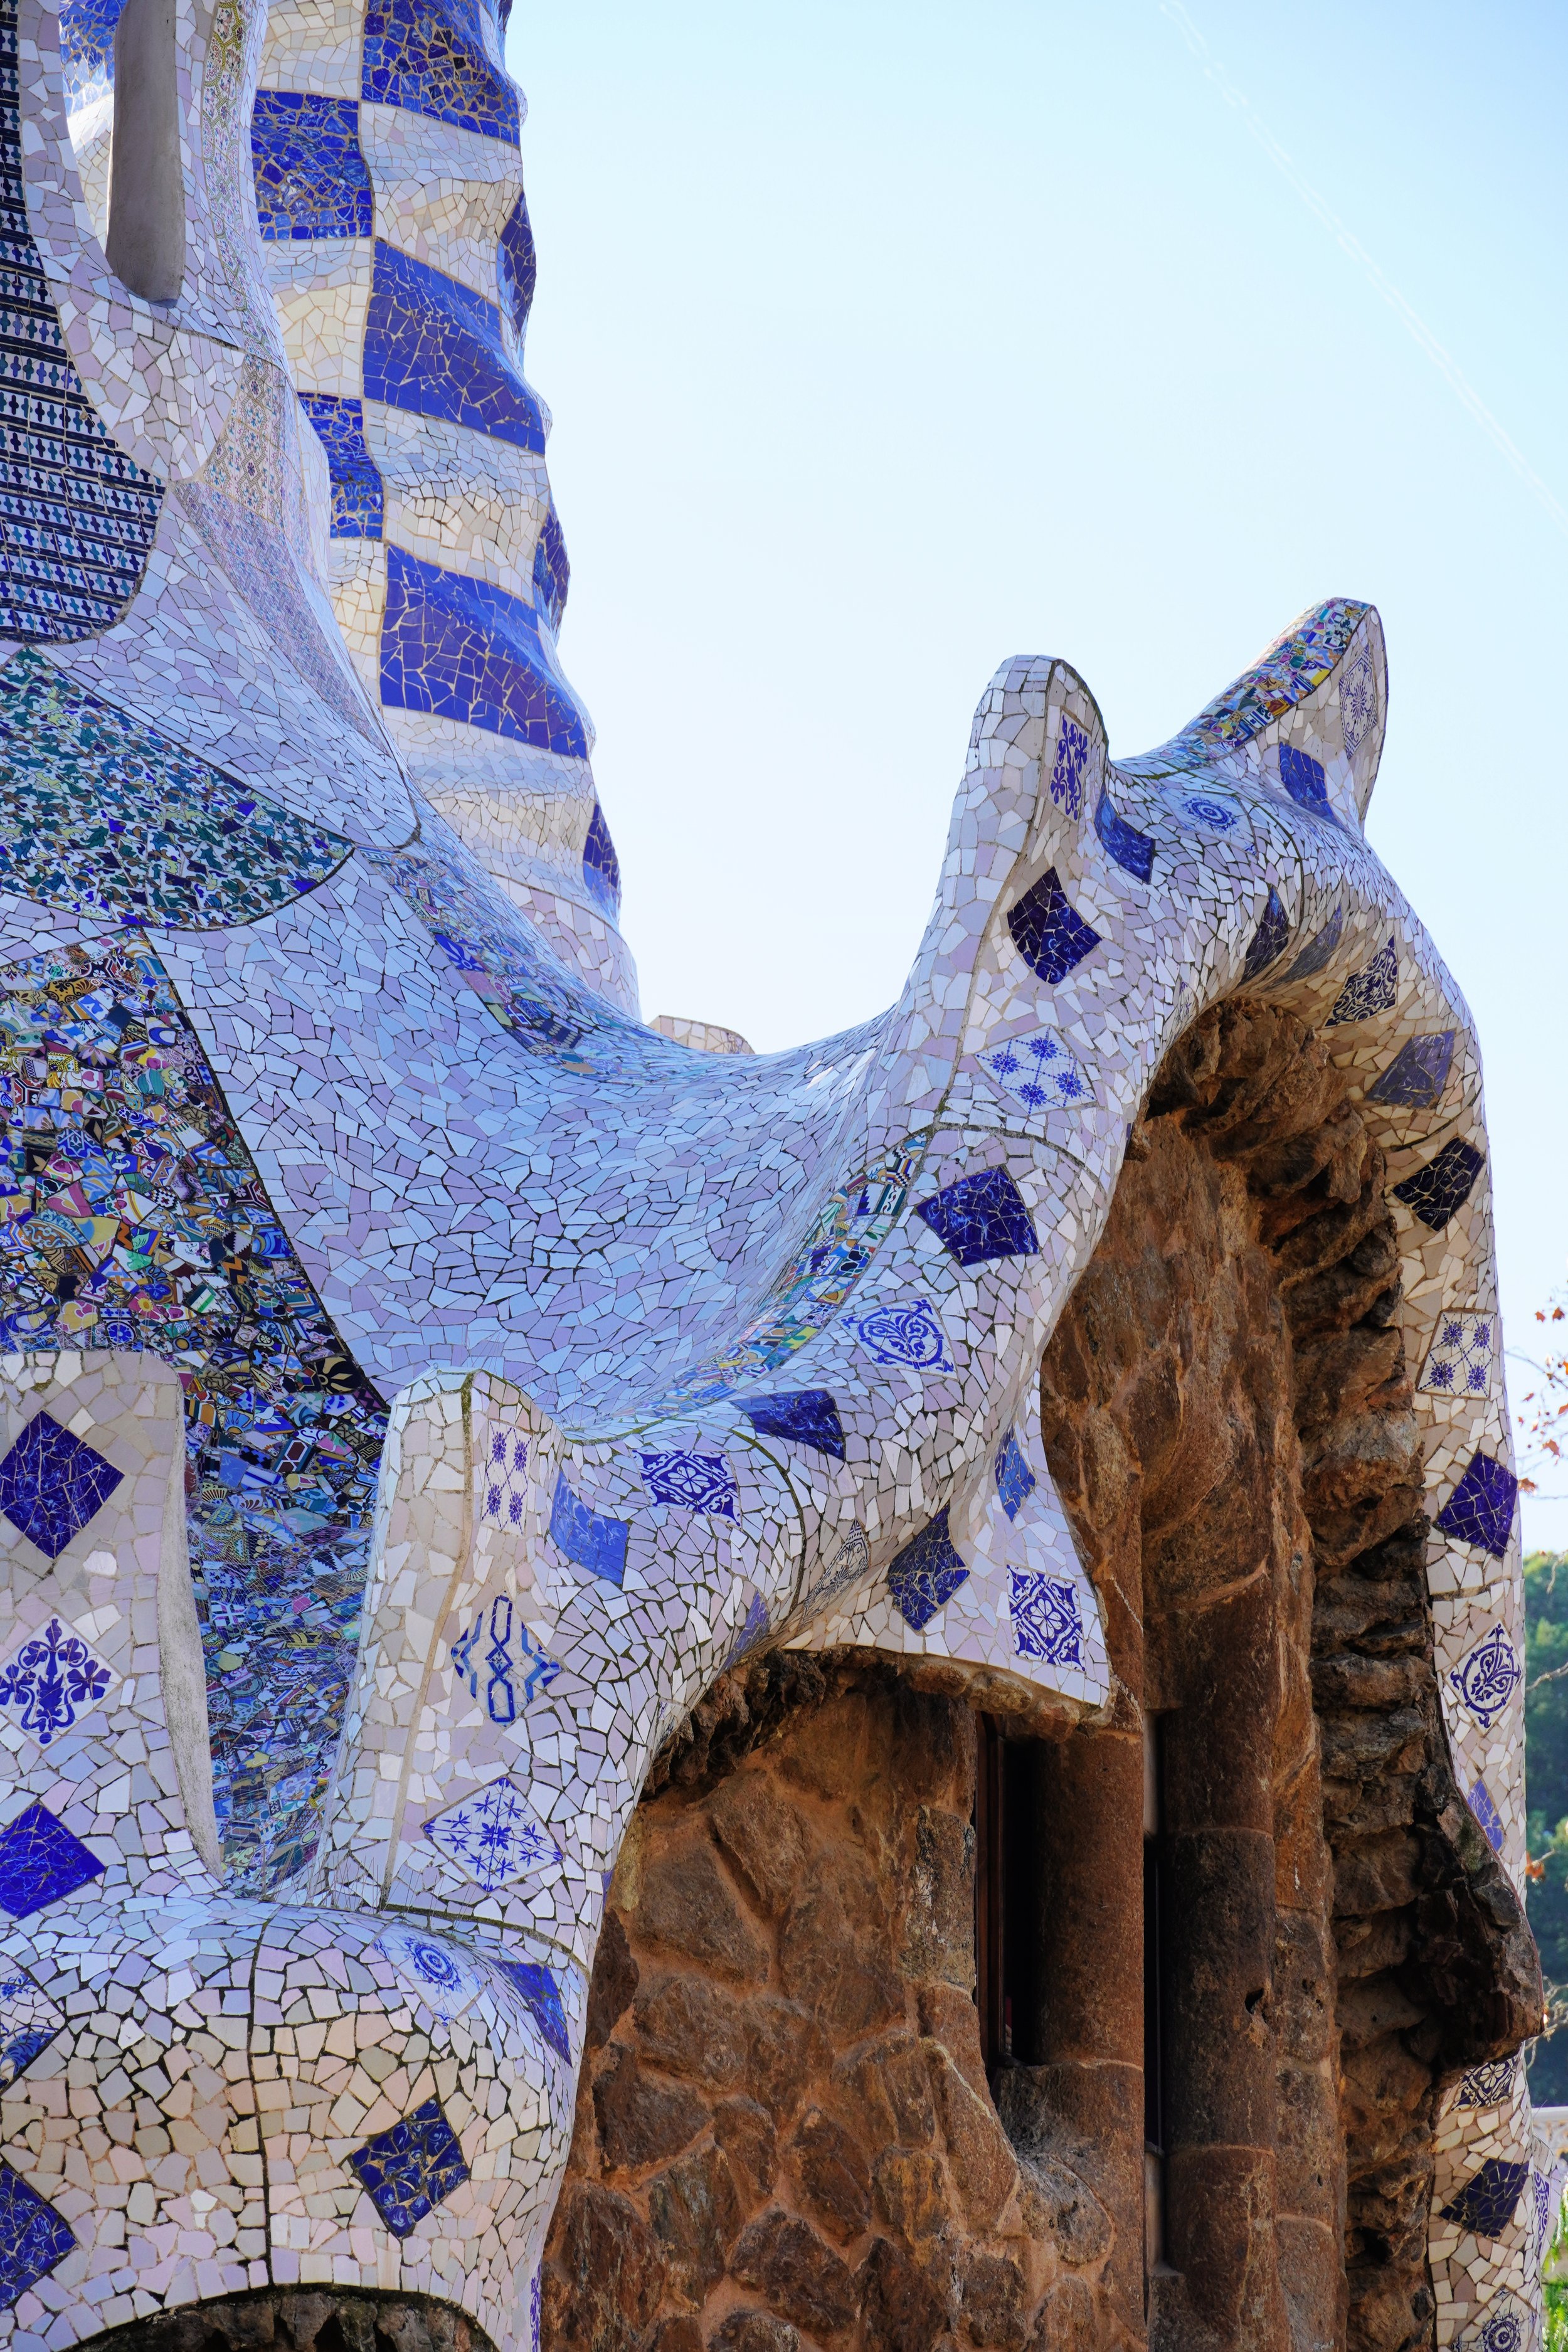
[503, 1368]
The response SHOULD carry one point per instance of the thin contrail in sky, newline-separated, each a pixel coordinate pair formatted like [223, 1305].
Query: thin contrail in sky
[1415, 324]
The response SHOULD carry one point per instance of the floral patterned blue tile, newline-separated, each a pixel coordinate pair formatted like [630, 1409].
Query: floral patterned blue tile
[77, 515]
[1270, 940]
[588, 1536]
[1488, 2085]
[1443, 1186]
[1371, 991]
[41, 1862]
[517, 267]
[1460, 1359]
[693, 1481]
[543, 1994]
[1041, 1071]
[52, 1484]
[981, 1217]
[1358, 700]
[1485, 1813]
[552, 579]
[34, 2238]
[601, 867]
[1486, 1680]
[29, 2022]
[1048, 932]
[908, 1333]
[436, 348]
[1046, 1620]
[409, 2170]
[1015, 1479]
[1133, 851]
[1417, 1074]
[440, 1975]
[98, 817]
[1506, 2325]
[802, 1417]
[505, 1479]
[926, 1574]
[1486, 2203]
[465, 649]
[494, 1837]
[51, 1679]
[311, 176]
[1066, 768]
[504, 1655]
[1319, 948]
[358, 503]
[429, 57]
[1304, 778]
[1480, 1508]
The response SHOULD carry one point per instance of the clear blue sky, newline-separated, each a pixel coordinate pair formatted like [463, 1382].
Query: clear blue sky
[886, 342]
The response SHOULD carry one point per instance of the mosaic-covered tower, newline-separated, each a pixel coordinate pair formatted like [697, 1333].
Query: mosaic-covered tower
[865, 1697]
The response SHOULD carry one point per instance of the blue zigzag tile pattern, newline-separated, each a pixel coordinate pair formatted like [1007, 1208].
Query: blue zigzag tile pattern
[436, 348]
[311, 176]
[359, 500]
[429, 56]
[465, 649]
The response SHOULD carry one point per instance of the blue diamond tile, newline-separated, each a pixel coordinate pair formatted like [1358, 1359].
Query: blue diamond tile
[409, 2170]
[981, 1217]
[52, 1484]
[593, 1540]
[1319, 950]
[1048, 933]
[1480, 1508]
[543, 1996]
[1270, 940]
[926, 1573]
[1485, 1813]
[29, 2022]
[693, 1481]
[1304, 778]
[1134, 851]
[805, 1417]
[34, 2238]
[1486, 2203]
[40, 1861]
[1437, 1190]
[1015, 1479]
[1417, 1074]
[551, 578]
[494, 1836]
[1369, 991]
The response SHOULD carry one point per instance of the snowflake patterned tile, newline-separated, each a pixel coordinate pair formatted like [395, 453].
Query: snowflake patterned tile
[1463, 1352]
[409, 2170]
[1486, 2203]
[34, 2238]
[1046, 1624]
[693, 1481]
[29, 2022]
[53, 1484]
[433, 1972]
[1486, 1680]
[497, 1653]
[806, 1417]
[505, 1488]
[981, 1218]
[41, 1862]
[1039, 1070]
[926, 1574]
[50, 1679]
[494, 1837]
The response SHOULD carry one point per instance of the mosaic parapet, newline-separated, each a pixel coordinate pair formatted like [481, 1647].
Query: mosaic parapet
[762, 1339]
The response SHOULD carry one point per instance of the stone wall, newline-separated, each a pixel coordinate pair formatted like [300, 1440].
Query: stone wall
[786, 2138]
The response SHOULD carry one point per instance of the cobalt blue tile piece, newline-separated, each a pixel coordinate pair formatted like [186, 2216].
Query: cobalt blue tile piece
[1319, 950]
[803, 1417]
[34, 2238]
[52, 1484]
[1417, 1074]
[693, 1481]
[357, 493]
[588, 1536]
[1486, 2203]
[542, 1995]
[601, 867]
[517, 267]
[1304, 778]
[436, 349]
[310, 177]
[409, 2170]
[465, 649]
[1369, 991]
[1270, 940]
[1485, 1813]
[1048, 932]
[77, 515]
[428, 56]
[41, 1862]
[926, 1574]
[551, 571]
[981, 1217]
[1134, 851]
[1480, 1508]
[1438, 1191]
[87, 48]
[1015, 1479]
[1066, 769]
[755, 1627]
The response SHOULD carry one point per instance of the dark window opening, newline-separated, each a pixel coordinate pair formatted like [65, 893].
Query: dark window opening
[1156, 2006]
[1007, 1895]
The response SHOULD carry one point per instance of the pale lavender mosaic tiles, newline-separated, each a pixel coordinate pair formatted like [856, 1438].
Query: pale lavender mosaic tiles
[509, 1366]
